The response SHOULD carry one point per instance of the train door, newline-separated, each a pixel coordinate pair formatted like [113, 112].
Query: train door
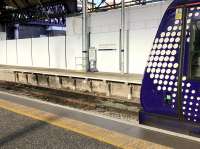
[190, 83]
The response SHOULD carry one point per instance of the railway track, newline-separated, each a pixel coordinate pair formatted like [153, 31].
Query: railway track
[112, 107]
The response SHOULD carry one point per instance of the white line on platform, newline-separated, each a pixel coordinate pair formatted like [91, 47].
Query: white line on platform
[131, 123]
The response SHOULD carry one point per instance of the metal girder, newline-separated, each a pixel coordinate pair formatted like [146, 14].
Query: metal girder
[16, 3]
[104, 5]
[53, 12]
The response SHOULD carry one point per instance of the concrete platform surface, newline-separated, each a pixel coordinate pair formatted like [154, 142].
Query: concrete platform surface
[111, 131]
[116, 77]
[20, 132]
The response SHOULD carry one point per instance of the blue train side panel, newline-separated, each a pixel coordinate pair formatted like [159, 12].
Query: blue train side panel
[160, 77]
[159, 88]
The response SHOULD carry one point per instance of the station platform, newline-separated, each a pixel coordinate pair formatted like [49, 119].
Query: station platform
[29, 123]
[104, 76]
[18, 131]
[123, 86]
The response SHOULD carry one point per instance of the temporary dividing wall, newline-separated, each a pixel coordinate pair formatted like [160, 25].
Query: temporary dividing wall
[36, 52]
[66, 52]
[74, 54]
[3, 53]
[11, 50]
[141, 25]
[57, 52]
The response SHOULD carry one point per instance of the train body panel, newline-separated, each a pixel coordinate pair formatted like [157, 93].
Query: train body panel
[159, 93]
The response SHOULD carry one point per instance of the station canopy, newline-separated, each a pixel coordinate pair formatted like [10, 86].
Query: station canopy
[17, 10]
[19, 4]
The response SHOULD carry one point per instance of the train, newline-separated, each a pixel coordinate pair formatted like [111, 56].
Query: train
[170, 92]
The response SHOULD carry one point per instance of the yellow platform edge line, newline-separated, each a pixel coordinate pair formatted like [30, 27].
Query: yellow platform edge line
[92, 131]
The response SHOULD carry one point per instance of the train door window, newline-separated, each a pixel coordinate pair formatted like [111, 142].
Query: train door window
[195, 51]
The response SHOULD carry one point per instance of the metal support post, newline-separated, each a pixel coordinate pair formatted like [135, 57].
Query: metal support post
[66, 51]
[16, 31]
[127, 51]
[49, 56]
[31, 51]
[85, 55]
[6, 44]
[122, 50]
[92, 5]
[16, 44]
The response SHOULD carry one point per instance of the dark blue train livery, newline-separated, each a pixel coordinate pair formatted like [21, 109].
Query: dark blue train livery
[171, 83]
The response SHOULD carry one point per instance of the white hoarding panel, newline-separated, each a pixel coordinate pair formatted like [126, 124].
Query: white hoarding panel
[142, 29]
[40, 52]
[3, 52]
[24, 52]
[107, 45]
[140, 45]
[12, 53]
[57, 52]
[74, 52]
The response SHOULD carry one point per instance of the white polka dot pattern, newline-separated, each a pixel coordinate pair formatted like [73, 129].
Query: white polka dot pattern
[163, 66]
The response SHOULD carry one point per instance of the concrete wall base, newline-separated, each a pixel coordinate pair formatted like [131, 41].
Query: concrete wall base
[124, 91]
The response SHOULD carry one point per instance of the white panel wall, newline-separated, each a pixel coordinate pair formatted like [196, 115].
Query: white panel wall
[141, 22]
[107, 60]
[24, 52]
[12, 52]
[3, 52]
[74, 43]
[57, 52]
[139, 49]
[105, 21]
[74, 25]
[142, 30]
[2, 35]
[74, 52]
[40, 52]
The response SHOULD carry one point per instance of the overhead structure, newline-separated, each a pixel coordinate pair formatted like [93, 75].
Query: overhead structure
[55, 11]
[104, 5]
[37, 11]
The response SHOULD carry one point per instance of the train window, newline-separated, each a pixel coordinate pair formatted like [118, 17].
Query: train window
[195, 51]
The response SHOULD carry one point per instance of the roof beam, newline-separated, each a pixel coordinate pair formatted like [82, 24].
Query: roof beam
[15, 3]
